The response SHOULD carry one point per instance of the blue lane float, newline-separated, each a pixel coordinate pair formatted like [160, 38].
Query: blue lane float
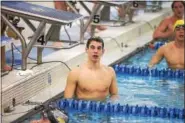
[156, 45]
[154, 72]
[109, 108]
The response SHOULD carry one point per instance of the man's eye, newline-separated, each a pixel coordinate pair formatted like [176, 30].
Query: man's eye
[92, 47]
[99, 48]
[178, 29]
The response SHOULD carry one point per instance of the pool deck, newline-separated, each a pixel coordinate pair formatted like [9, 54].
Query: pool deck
[35, 86]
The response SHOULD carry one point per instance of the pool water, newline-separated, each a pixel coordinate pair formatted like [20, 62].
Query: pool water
[18, 58]
[151, 91]
[85, 117]
[143, 58]
[138, 90]
[135, 90]
[93, 117]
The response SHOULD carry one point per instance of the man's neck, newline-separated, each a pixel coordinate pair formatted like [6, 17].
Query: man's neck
[175, 18]
[179, 44]
[93, 65]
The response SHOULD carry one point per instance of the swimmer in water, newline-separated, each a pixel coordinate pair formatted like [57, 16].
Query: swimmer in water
[173, 52]
[92, 80]
[165, 28]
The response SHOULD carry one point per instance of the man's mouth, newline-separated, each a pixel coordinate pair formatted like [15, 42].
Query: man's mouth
[95, 56]
[181, 36]
[179, 13]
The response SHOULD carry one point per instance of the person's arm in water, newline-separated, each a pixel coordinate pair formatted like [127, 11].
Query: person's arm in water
[113, 90]
[157, 57]
[71, 84]
[164, 30]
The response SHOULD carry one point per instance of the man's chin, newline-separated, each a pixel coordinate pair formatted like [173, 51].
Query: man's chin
[95, 60]
[179, 15]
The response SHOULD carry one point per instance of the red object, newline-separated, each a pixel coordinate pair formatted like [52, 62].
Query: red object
[6, 68]
[151, 46]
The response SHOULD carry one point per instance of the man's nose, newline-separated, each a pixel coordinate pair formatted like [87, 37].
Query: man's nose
[179, 9]
[95, 50]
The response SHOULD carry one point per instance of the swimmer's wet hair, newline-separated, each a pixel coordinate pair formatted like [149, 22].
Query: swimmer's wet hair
[97, 39]
[173, 3]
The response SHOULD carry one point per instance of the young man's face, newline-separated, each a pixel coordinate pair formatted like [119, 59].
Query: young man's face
[178, 9]
[95, 51]
[179, 33]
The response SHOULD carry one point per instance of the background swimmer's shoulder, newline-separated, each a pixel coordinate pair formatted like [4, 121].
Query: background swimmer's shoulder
[168, 46]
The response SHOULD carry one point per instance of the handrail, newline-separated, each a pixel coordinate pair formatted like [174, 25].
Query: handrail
[22, 39]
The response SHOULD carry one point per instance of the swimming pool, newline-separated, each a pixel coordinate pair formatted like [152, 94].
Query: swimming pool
[137, 90]
[150, 91]
[158, 91]
[93, 117]
[143, 58]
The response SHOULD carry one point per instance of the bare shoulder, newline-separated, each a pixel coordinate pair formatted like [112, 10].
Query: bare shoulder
[166, 21]
[167, 46]
[110, 69]
[112, 72]
[75, 72]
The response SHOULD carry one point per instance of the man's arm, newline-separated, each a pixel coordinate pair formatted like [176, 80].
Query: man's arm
[60, 5]
[113, 87]
[157, 57]
[71, 84]
[164, 30]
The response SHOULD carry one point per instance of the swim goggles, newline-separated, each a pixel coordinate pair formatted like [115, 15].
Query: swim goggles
[179, 26]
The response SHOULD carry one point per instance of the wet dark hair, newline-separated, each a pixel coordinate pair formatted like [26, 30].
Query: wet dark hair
[173, 3]
[97, 39]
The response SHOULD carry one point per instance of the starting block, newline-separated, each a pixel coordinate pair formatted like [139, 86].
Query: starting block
[44, 15]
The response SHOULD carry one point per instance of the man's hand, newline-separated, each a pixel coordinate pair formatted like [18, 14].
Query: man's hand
[150, 66]
[114, 97]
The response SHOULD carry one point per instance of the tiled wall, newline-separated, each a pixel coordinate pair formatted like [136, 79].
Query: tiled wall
[28, 88]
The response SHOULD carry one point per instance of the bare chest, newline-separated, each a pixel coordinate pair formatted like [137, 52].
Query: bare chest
[174, 56]
[99, 80]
